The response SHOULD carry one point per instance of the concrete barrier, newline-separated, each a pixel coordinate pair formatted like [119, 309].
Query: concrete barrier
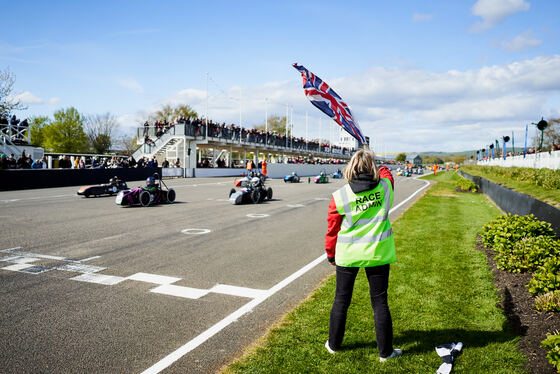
[46, 178]
[517, 203]
[273, 170]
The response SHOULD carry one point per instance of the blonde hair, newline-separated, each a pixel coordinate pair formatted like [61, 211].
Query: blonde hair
[362, 162]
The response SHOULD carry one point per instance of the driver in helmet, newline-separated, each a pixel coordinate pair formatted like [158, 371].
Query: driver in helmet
[114, 181]
[151, 184]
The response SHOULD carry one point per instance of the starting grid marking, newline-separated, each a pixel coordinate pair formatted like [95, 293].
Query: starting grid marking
[23, 263]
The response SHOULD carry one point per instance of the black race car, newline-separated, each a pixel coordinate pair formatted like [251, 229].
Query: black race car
[156, 191]
[253, 190]
[115, 185]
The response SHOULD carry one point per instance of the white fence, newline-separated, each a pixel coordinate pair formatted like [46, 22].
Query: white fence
[541, 160]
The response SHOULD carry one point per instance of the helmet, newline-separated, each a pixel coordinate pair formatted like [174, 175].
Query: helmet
[113, 180]
[255, 181]
[150, 181]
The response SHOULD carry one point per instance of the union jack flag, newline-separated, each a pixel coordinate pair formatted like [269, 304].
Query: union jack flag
[328, 101]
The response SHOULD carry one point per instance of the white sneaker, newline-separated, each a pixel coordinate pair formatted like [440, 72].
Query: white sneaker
[331, 351]
[396, 353]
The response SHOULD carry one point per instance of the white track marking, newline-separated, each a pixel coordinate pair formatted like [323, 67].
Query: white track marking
[19, 259]
[34, 198]
[322, 198]
[216, 328]
[257, 215]
[153, 278]
[195, 231]
[295, 205]
[89, 258]
[411, 196]
[180, 291]
[237, 291]
[80, 268]
[17, 267]
[108, 280]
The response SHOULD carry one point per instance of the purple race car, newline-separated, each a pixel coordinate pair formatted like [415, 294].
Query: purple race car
[156, 191]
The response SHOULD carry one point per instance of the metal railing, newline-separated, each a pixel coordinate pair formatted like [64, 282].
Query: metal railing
[149, 137]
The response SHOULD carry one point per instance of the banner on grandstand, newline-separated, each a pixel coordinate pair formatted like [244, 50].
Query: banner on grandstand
[328, 101]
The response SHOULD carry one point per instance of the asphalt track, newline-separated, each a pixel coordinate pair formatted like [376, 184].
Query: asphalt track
[92, 287]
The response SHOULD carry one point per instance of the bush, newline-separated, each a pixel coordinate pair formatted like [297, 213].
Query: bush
[504, 231]
[528, 254]
[552, 341]
[466, 185]
[546, 278]
[550, 301]
[546, 178]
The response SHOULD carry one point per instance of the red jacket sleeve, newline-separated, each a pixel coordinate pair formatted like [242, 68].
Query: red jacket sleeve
[384, 172]
[334, 220]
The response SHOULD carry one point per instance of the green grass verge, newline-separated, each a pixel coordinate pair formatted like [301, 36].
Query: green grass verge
[550, 196]
[440, 290]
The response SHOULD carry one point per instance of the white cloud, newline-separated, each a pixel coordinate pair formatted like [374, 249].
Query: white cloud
[419, 17]
[495, 11]
[402, 109]
[131, 84]
[27, 98]
[521, 42]
[53, 100]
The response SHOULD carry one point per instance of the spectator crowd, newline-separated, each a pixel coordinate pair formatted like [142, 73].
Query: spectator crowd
[196, 127]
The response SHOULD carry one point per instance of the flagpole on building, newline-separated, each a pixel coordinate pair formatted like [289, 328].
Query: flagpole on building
[320, 132]
[286, 129]
[241, 108]
[306, 128]
[292, 128]
[266, 121]
[206, 131]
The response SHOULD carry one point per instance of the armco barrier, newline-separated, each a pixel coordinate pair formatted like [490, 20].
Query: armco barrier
[517, 203]
[45, 178]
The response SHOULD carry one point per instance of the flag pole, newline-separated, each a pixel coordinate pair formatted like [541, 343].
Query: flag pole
[306, 128]
[206, 131]
[266, 120]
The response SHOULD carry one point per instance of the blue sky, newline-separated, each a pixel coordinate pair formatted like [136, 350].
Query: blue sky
[419, 75]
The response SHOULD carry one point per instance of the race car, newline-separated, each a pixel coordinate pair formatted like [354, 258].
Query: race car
[337, 174]
[322, 178]
[294, 178]
[252, 190]
[115, 185]
[156, 191]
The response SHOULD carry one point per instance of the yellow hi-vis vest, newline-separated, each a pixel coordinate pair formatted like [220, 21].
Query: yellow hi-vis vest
[365, 238]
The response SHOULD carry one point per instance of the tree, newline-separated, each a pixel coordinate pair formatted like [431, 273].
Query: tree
[274, 123]
[8, 103]
[401, 157]
[459, 159]
[36, 126]
[168, 113]
[99, 129]
[128, 144]
[65, 134]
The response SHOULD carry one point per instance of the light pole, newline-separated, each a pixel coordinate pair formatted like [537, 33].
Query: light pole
[541, 125]
[505, 139]
[491, 146]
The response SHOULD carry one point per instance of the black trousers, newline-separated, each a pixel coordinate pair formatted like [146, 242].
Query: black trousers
[378, 279]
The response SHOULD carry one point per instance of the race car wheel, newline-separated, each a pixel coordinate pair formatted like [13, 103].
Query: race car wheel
[296, 180]
[262, 196]
[269, 193]
[231, 192]
[171, 195]
[144, 198]
[308, 180]
[285, 181]
[256, 196]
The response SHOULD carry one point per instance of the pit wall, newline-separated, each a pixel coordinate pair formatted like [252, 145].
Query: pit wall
[517, 203]
[549, 160]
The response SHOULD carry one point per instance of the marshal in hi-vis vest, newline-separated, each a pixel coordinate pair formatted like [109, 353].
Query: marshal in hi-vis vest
[365, 238]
